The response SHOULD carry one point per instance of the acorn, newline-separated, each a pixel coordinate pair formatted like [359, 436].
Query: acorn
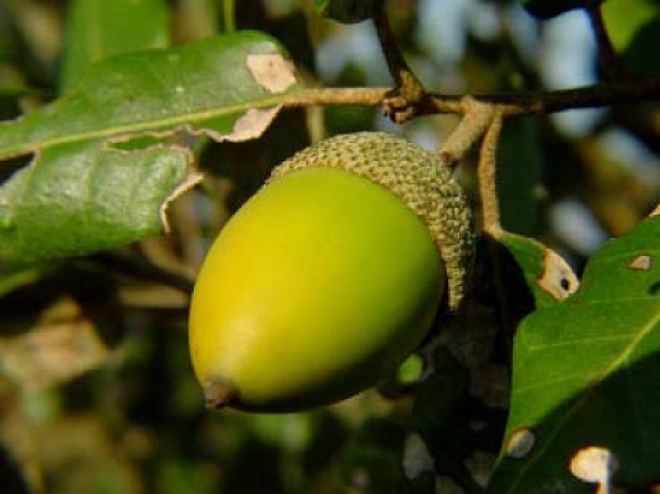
[330, 275]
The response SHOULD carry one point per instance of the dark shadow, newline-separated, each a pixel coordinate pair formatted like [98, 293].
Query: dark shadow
[330, 436]
[654, 289]
[248, 164]
[499, 282]
[11, 480]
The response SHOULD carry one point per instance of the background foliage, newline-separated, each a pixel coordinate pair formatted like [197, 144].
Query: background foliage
[96, 390]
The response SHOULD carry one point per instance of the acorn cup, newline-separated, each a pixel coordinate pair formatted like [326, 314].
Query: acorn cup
[330, 275]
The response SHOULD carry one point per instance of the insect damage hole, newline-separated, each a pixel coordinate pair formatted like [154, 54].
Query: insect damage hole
[595, 465]
[558, 279]
[641, 263]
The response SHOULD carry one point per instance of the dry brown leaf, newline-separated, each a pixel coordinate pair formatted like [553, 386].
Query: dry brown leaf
[61, 345]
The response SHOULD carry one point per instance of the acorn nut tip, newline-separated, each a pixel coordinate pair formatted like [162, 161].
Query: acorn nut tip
[218, 392]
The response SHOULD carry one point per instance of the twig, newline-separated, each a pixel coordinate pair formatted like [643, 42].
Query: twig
[401, 103]
[541, 103]
[487, 173]
[336, 97]
[511, 105]
[609, 60]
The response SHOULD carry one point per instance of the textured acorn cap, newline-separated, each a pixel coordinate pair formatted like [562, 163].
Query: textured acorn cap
[417, 177]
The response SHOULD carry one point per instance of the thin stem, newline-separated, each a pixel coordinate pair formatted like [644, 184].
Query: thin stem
[403, 76]
[511, 105]
[541, 103]
[487, 173]
[336, 97]
[408, 92]
[229, 16]
[478, 117]
[609, 60]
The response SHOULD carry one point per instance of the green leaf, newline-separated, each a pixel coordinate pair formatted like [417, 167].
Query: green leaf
[410, 370]
[547, 9]
[346, 11]
[98, 29]
[75, 200]
[519, 275]
[585, 375]
[204, 87]
[623, 18]
[82, 193]
[634, 28]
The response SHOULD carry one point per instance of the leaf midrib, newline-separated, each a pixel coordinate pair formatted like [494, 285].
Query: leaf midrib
[151, 125]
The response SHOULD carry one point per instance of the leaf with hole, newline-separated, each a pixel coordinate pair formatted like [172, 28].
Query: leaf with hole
[73, 200]
[545, 274]
[106, 159]
[585, 374]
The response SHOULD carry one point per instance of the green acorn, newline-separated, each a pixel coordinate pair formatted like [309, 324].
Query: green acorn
[330, 276]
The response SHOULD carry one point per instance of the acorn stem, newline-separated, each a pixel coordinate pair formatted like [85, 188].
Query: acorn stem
[218, 392]
[487, 172]
[478, 117]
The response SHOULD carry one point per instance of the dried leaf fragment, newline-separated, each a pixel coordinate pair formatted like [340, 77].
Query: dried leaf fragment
[153, 296]
[62, 345]
[272, 71]
[252, 124]
[192, 179]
